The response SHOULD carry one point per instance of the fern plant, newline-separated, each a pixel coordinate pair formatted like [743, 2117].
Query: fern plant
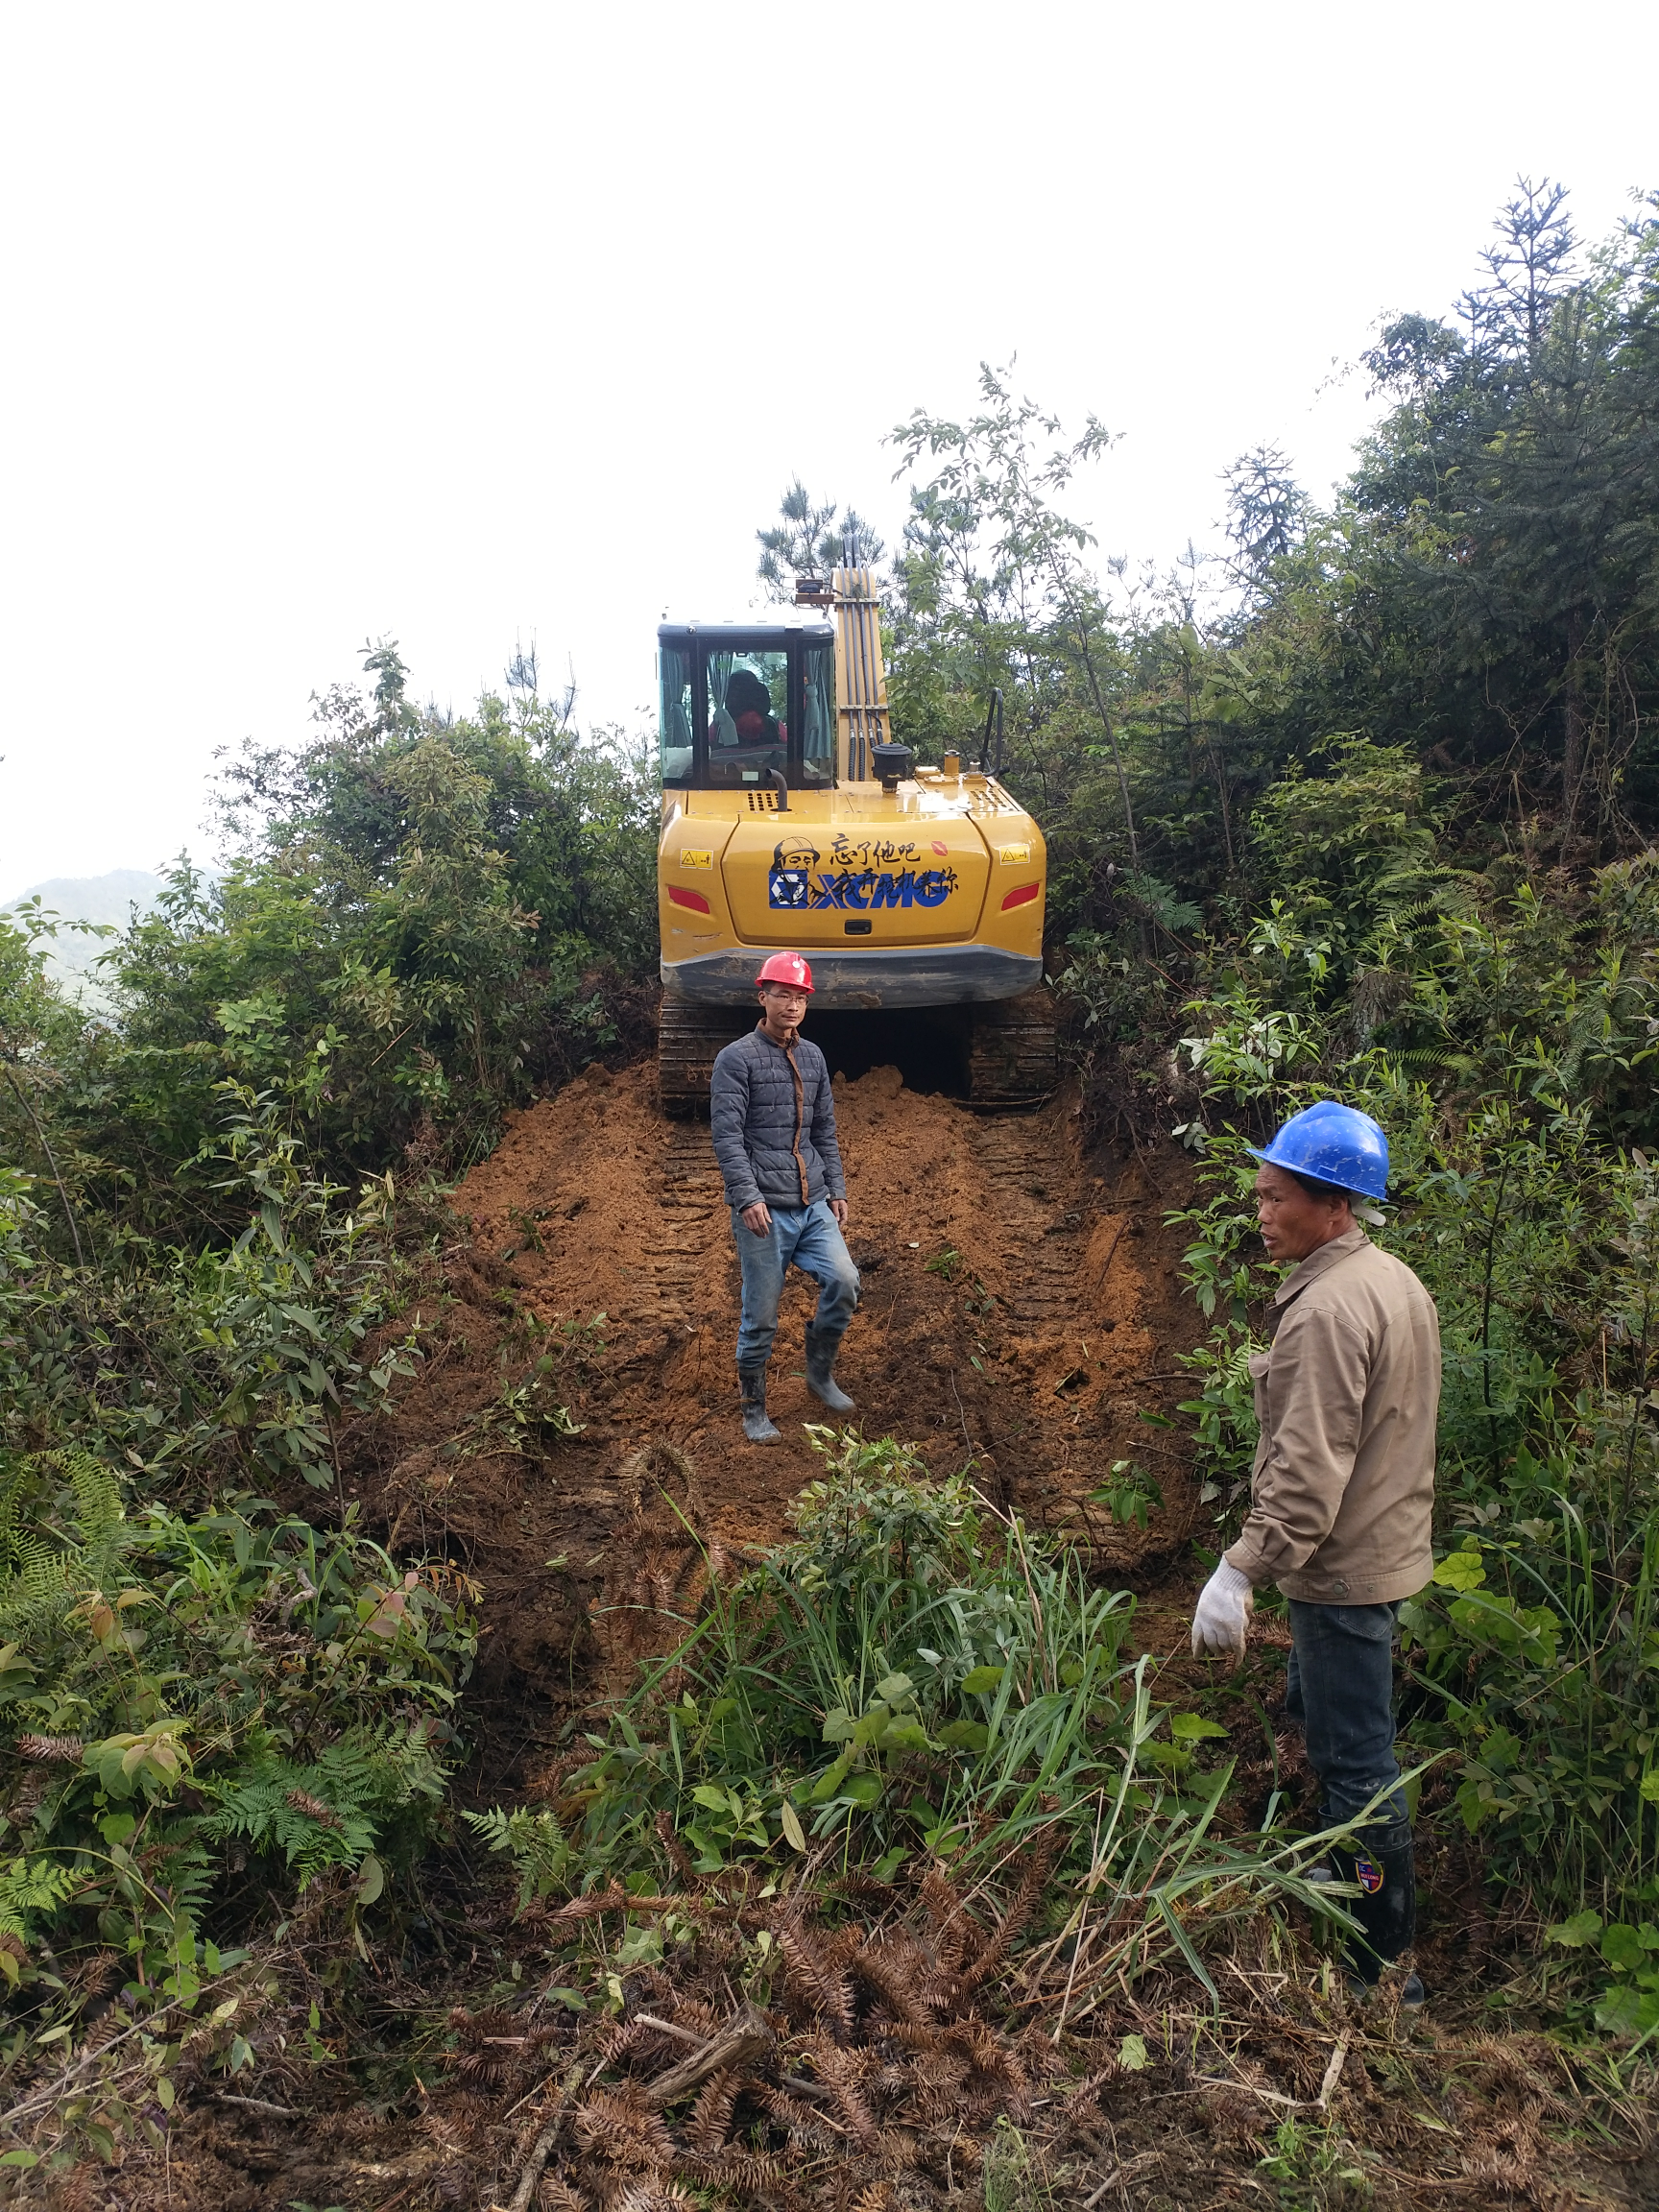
[331, 1810]
[536, 1843]
[49, 1555]
[173, 1689]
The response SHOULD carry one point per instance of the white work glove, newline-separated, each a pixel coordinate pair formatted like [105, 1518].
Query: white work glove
[1223, 1611]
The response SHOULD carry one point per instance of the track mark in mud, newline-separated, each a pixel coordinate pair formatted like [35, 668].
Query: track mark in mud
[689, 1205]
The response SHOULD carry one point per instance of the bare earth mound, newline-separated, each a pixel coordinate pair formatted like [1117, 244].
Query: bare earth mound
[1014, 1309]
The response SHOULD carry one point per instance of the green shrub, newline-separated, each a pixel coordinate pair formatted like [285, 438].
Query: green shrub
[184, 1697]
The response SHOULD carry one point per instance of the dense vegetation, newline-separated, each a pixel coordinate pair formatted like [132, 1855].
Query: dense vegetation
[1364, 806]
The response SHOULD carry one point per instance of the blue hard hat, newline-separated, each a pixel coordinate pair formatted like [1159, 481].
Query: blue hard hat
[1333, 1144]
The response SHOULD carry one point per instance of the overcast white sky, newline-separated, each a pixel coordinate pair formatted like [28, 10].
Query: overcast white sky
[468, 324]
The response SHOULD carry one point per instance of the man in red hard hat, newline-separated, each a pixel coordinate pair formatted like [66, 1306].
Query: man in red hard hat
[774, 1127]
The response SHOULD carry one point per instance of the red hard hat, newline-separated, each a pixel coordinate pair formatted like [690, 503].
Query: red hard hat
[786, 968]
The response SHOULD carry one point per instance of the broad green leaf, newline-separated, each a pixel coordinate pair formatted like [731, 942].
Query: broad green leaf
[830, 1780]
[1622, 1947]
[1132, 2056]
[794, 1835]
[1583, 1928]
[1460, 1571]
[905, 1736]
[863, 1788]
[895, 1688]
[965, 1735]
[983, 1682]
[371, 1880]
[641, 1947]
[1628, 2011]
[1193, 1728]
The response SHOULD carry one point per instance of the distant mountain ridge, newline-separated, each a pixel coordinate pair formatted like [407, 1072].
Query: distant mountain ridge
[108, 899]
[95, 898]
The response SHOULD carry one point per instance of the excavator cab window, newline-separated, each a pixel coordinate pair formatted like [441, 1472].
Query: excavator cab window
[679, 750]
[748, 715]
[739, 706]
[818, 715]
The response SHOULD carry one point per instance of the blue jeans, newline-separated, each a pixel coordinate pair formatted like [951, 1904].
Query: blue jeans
[1340, 1687]
[807, 1237]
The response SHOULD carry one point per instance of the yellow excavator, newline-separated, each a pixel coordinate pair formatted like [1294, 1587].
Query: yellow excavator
[792, 821]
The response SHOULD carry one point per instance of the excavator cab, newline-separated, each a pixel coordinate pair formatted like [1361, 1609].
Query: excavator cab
[742, 706]
[791, 821]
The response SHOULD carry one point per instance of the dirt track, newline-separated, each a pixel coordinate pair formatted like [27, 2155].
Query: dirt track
[1032, 1351]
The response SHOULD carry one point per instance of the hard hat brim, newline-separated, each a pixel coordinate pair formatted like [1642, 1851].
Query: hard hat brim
[1374, 1185]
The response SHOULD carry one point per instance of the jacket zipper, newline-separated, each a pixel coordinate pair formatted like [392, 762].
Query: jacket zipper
[800, 1113]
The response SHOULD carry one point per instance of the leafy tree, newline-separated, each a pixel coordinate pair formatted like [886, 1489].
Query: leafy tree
[997, 570]
[807, 539]
[1503, 513]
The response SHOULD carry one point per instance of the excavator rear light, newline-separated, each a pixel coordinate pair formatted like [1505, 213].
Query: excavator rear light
[693, 900]
[1023, 897]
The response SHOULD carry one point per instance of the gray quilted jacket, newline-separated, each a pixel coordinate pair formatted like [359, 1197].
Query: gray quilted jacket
[774, 1123]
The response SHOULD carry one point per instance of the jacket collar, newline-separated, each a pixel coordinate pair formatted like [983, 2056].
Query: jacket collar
[786, 1050]
[1319, 1264]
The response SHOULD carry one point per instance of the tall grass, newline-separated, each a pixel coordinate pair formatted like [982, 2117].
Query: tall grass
[915, 1683]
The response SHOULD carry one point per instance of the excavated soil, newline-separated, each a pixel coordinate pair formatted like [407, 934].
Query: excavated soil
[1021, 1311]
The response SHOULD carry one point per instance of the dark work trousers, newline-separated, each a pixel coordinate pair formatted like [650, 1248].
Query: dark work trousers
[1341, 1688]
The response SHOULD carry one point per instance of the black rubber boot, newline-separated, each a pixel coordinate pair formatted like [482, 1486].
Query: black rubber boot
[1386, 1910]
[820, 1351]
[756, 1426]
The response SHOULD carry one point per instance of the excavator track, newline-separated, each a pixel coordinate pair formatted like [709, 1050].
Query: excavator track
[1012, 1058]
[688, 1038]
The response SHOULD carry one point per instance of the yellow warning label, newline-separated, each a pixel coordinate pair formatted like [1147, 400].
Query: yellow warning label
[1014, 855]
[693, 857]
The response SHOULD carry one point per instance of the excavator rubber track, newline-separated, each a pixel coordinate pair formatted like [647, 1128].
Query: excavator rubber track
[688, 1037]
[1011, 1055]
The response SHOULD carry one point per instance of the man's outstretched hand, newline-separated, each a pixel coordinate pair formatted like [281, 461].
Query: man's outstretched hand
[1223, 1611]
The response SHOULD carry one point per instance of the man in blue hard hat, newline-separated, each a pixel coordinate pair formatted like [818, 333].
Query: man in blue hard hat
[1342, 1496]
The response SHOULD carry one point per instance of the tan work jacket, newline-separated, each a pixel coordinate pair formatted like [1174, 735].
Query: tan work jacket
[1342, 1491]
